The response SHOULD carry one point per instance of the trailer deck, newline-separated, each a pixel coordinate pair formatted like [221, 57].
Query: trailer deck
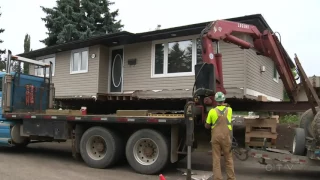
[110, 118]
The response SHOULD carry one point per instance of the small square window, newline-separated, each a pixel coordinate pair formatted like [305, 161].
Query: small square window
[79, 61]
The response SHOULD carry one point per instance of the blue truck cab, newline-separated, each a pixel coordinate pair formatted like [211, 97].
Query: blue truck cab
[19, 104]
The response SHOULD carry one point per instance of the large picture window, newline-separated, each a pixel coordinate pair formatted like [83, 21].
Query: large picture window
[79, 61]
[39, 71]
[175, 57]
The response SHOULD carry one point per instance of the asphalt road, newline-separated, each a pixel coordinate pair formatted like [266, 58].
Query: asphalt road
[54, 162]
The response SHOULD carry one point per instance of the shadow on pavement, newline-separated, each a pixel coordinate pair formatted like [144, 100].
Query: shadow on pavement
[249, 169]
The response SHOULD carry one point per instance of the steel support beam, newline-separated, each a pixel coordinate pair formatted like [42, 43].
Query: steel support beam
[300, 106]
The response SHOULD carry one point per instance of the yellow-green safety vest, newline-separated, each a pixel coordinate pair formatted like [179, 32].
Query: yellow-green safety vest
[213, 116]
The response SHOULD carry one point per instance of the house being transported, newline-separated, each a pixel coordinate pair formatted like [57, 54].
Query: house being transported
[149, 65]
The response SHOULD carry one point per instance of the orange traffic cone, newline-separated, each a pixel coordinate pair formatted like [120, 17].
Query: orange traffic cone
[161, 177]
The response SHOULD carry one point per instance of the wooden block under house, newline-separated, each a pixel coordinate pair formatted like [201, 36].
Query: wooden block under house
[259, 129]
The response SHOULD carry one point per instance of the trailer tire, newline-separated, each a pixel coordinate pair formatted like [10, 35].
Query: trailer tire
[305, 122]
[137, 158]
[101, 147]
[22, 145]
[316, 126]
[299, 142]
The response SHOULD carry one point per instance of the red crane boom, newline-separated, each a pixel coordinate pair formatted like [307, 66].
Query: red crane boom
[265, 43]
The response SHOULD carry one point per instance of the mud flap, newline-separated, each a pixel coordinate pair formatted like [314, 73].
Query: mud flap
[76, 137]
[174, 143]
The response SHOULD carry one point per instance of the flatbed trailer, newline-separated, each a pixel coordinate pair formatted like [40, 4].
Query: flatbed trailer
[276, 160]
[149, 142]
[158, 136]
[304, 155]
[276, 156]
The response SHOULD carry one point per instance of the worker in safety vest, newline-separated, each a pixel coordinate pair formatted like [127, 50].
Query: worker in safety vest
[219, 120]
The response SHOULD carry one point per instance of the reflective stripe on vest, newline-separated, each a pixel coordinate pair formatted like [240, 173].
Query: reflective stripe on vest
[222, 113]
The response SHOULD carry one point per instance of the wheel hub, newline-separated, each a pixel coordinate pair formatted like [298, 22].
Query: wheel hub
[148, 151]
[145, 151]
[96, 147]
[100, 147]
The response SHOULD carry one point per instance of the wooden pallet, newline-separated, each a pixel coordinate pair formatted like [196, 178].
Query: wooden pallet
[258, 129]
[259, 142]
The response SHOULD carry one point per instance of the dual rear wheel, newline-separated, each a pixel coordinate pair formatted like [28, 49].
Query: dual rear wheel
[147, 150]
[309, 127]
[311, 123]
[101, 147]
[306, 122]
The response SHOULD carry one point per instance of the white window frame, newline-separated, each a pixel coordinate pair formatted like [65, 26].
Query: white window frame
[42, 58]
[275, 79]
[193, 38]
[71, 61]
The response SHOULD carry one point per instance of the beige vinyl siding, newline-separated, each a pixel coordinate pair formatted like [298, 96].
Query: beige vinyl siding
[138, 77]
[233, 65]
[70, 85]
[261, 82]
[103, 69]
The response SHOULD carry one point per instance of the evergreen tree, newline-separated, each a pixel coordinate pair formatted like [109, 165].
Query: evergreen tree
[2, 51]
[79, 19]
[62, 22]
[99, 20]
[26, 45]
[26, 49]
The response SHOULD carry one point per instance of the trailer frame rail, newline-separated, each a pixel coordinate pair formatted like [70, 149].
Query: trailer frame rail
[101, 118]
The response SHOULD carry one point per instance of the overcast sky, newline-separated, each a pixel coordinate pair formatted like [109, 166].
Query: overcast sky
[296, 21]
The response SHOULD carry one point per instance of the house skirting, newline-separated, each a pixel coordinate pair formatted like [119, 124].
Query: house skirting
[232, 93]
